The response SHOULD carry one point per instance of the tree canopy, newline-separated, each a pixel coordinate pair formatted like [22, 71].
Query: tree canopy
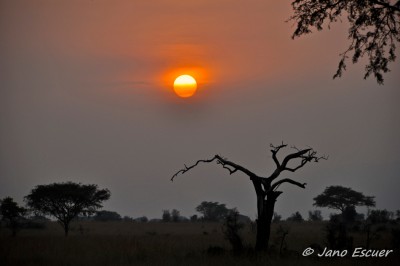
[315, 216]
[11, 213]
[65, 201]
[295, 217]
[105, 216]
[166, 216]
[212, 211]
[374, 27]
[340, 198]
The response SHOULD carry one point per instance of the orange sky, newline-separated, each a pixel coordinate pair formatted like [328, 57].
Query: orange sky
[149, 42]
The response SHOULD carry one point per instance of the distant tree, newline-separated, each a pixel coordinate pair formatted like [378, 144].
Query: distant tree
[349, 215]
[315, 216]
[12, 214]
[360, 217]
[277, 218]
[380, 216]
[295, 217]
[65, 201]
[212, 211]
[243, 218]
[183, 219]
[398, 215]
[266, 188]
[231, 229]
[166, 216]
[175, 215]
[337, 233]
[40, 218]
[34, 222]
[374, 29]
[127, 219]
[340, 198]
[106, 216]
[142, 219]
[193, 218]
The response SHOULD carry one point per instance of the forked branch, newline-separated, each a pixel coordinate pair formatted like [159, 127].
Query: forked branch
[275, 150]
[304, 155]
[307, 155]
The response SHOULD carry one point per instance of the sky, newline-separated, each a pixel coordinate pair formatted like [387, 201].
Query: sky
[86, 96]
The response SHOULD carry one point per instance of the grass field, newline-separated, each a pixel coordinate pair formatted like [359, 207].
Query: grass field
[129, 243]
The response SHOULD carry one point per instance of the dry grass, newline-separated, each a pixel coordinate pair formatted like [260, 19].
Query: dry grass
[128, 243]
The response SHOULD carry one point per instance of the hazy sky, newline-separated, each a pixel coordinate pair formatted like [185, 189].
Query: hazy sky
[86, 96]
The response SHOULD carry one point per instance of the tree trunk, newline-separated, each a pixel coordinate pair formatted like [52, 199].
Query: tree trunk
[368, 228]
[265, 214]
[14, 228]
[66, 228]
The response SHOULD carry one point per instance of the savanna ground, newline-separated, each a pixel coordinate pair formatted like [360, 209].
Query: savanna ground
[130, 243]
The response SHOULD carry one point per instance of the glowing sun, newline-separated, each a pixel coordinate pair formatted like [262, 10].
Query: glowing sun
[185, 86]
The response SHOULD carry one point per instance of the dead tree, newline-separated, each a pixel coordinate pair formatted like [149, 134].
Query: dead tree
[266, 188]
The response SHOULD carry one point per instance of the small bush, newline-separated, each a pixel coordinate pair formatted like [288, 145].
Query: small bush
[315, 216]
[295, 217]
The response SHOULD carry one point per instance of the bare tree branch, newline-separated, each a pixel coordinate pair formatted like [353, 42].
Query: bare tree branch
[275, 150]
[287, 180]
[305, 155]
[308, 156]
[231, 171]
[184, 170]
[225, 162]
[292, 156]
[222, 161]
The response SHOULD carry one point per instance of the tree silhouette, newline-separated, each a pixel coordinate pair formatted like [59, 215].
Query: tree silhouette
[231, 229]
[11, 214]
[166, 216]
[315, 216]
[266, 187]
[65, 201]
[380, 216]
[342, 198]
[106, 216]
[212, 211]
[374, 29]
[175, 215]
[295, 217]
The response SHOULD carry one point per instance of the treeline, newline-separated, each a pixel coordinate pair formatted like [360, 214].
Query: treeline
[74, 201]
[373, 216]
[209, 211]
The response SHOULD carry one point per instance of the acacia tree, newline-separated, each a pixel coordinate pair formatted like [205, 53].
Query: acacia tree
[342, 198]
[12, 214]
[106, 216]
[65, 201]
[266, 188]
[212, 211]
[374, 29]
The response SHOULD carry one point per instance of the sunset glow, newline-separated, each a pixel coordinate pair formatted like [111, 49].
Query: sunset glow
[123, 97]
[185, 86]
